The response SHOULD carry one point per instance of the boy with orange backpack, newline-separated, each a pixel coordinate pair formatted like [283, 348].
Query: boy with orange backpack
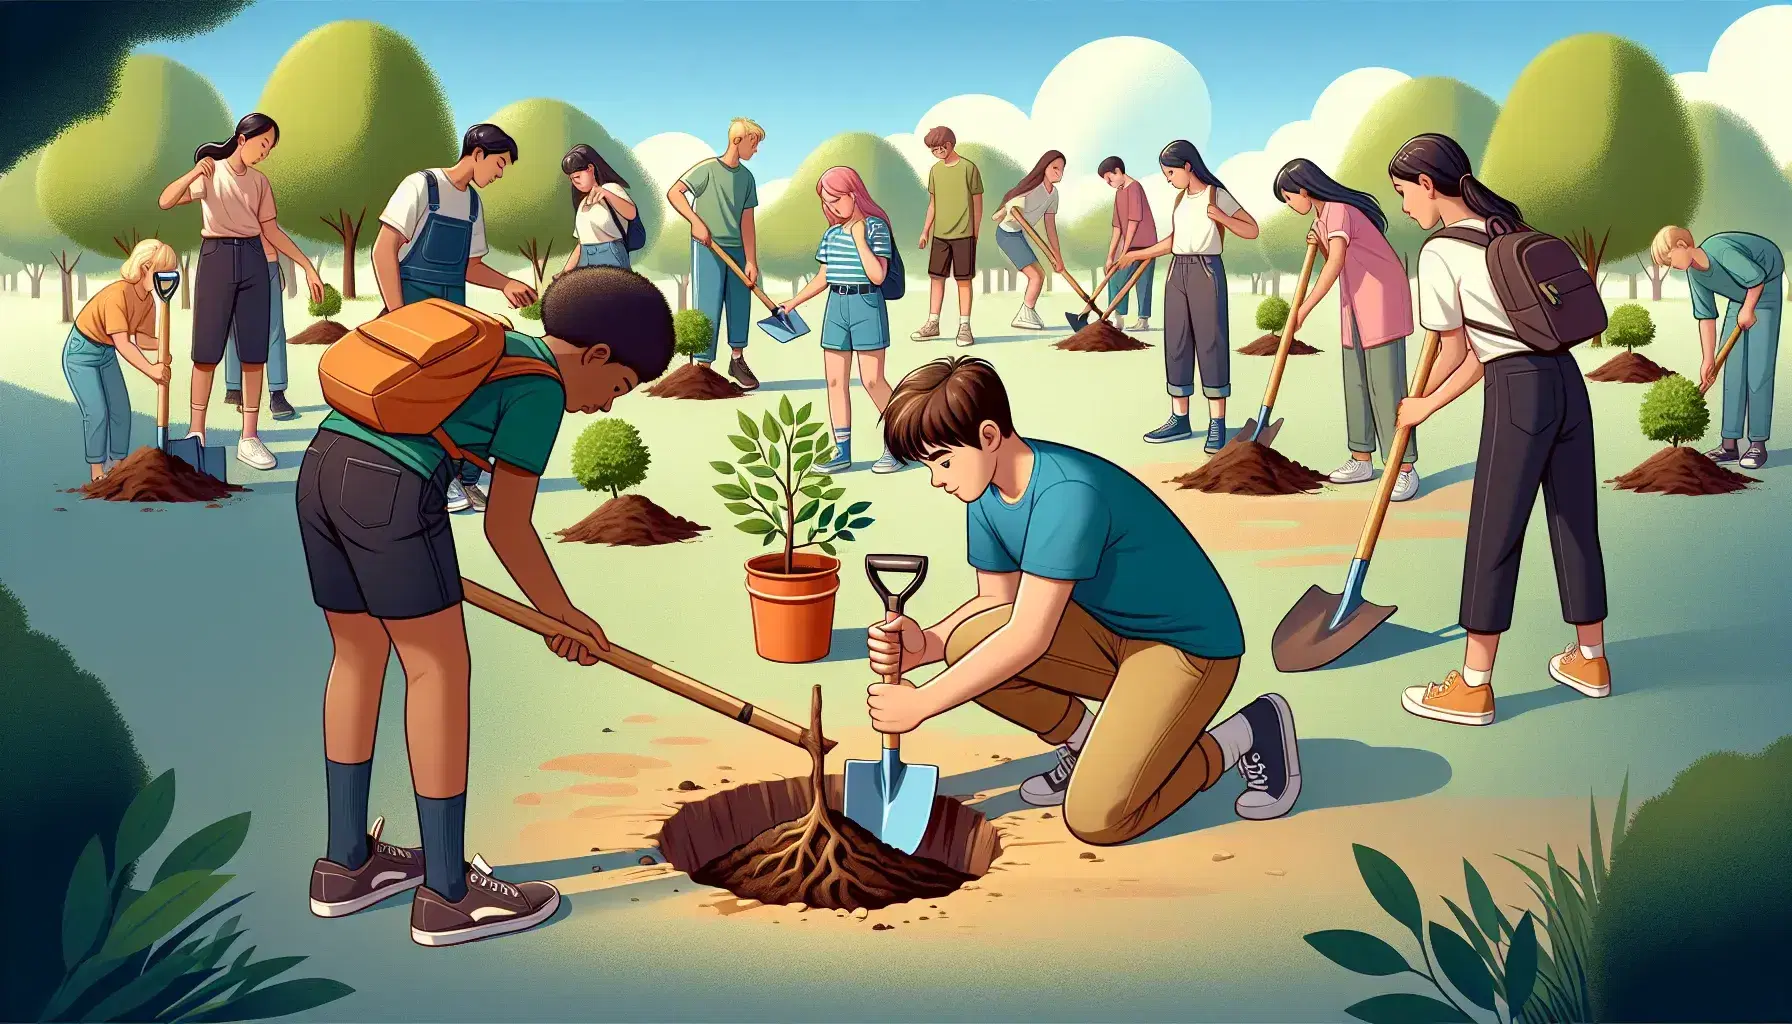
[425, 384]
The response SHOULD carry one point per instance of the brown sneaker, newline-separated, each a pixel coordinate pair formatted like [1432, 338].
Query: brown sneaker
[489, 908]
[929, 330]
[338, 892]
[1591, 676]
[964, 339]
[741, 372]
[1452, 700]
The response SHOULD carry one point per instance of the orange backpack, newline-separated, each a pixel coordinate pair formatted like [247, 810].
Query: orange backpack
[406, 371]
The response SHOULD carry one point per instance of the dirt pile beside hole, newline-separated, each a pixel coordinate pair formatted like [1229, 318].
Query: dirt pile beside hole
[1681, 470]
[1101, 336]
[631, 520]
[324, 332]
[1246, 467]
[1267, 345]
[694, 380]
[151, 474]
[1630, 368]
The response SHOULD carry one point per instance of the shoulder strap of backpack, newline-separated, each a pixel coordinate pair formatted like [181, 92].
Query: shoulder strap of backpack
[508, 367]
[1473, 237]
[435, 196]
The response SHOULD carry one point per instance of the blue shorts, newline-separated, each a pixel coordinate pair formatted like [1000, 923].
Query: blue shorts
[856, 323]
[1014, 246]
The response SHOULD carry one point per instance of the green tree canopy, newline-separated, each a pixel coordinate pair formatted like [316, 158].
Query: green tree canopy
[692, 333]
[28, 236]
[609, 456]
[792, 225]
[1744, 191]
[1085, 238]
[1630, 327]
[1674, 411]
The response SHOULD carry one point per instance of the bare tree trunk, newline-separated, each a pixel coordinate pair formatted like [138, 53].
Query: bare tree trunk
[1632, 278]
[186, 281]
[35, 271]
[287, 275]
[81, 286]
[988, 272]
[1275, 277]
[67, 266]
[684, 293]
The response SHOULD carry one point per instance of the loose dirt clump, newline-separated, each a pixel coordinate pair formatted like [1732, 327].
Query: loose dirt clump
[150, 474]
[1681, 470]
[1630, 368]
[1246, 467]
[1101, 336]
[1267, 345]
[324, 332]
[633, 521]
[693, 380]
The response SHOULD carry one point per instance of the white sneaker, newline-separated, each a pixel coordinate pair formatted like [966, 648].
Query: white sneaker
[1141, 324]
[1028, 319]
[1356, 471]
[457, 496]
[252, 453]
[1407, 487]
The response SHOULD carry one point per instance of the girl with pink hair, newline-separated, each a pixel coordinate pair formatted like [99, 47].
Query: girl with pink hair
[855, 256]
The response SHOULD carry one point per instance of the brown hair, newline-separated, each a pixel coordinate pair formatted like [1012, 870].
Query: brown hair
[1035, 177]
[941, 136]
[941, 404]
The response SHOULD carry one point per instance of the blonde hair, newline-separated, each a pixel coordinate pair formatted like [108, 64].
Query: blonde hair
[741, 127]
[150, 255]
[1664, 243]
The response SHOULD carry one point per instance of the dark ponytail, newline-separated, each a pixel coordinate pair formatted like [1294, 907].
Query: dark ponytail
[1182, 153]
[1441, 159]
[251, 126]
[582, 156]
[1302, 175]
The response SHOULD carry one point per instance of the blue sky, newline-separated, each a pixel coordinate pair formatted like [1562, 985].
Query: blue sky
[808, 70]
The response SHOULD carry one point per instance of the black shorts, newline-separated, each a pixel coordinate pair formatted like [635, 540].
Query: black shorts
[376, 534]
[953, 257]
[232, 288]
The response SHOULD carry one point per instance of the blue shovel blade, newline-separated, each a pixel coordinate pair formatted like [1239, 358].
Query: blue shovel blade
[207, 460]
[891, 800]
[784, 327]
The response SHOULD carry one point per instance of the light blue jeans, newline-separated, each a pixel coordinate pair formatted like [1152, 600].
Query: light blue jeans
[276, 368]
[714, 289]
[604, 254]
[1142, 290]
[98, 384]
[1748, 373]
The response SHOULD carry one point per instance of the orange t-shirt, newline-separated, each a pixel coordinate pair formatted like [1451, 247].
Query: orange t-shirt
[119, 308]
[234, 205]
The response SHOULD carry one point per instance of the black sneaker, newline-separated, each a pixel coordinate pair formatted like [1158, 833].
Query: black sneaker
[490, 907]
[1755, 457]
[234, 397]
[1175, 428]
[1047, 789]
[1271, 768]
[741, 372]
[1216, 436]
[280, 407]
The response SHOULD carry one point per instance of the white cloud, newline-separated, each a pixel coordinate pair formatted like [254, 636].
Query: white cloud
[667, 156]
[1749, 73]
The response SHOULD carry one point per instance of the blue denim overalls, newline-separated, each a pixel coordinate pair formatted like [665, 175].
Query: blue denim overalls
[436, 266]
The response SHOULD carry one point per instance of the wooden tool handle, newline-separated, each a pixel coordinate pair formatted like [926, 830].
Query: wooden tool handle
[1390, 473]
[1050, 253]
[640, 667]
[1282, 350]
[1124, 292]
[166, 358]
[1089, 301]
[1723, 354]
[738, 272]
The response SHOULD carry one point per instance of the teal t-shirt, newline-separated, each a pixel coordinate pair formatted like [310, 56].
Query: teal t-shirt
[514, 420]
[1137, 569]
[1739, 261]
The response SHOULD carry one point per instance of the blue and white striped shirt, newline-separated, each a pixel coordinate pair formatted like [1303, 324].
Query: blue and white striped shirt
[841, 253]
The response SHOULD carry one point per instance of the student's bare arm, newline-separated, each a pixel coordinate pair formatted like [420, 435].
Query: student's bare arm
[876, 269]
[1162, 248]
[385, 265]
[749, 244]
[1334, 265]
[1051, 238]
[1467, 374]
[178, 191]
[976, 214]
[679, 195]
[1452, 349]
[927, 225]
[621, 204]
[126, 345]
[283, 244]
[1132, 228]
[816, 286]
[994, 589]
[1241, 223]
[1038, 609]
[510, 529]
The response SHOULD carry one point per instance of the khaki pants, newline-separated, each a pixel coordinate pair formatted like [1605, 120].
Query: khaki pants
[1150, 751]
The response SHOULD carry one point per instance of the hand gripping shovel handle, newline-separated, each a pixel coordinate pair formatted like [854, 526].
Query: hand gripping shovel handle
[1396, 453]
[1124, 292]
[1300, 297]
[728, 261]
[894, 602]
[1723, 354]
[640, 667]
[1088, 302]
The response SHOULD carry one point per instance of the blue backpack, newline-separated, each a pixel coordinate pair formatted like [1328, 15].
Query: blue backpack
[634, 237]
[895, 284]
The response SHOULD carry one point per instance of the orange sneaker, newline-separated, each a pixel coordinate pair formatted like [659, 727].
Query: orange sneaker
[1591, 676]
[1452, 700]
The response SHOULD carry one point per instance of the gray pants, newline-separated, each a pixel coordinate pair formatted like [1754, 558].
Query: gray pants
[1195, 327]
[1374, 384]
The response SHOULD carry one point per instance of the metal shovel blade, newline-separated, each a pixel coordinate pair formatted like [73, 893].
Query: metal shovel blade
[206, 459]
[1077, 321]
[784, 327]
[1262, 435]
[1313, 634]
[891, 800]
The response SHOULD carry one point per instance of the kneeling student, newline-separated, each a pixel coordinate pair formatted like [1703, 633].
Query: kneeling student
[1088, 587]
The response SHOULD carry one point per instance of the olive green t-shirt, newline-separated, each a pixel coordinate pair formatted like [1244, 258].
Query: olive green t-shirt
[952, 186]
[514, 420]
[721, 195]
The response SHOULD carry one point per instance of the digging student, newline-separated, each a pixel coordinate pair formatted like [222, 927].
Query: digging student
[110, 325]
[1088, 588]
[1033, 199]
[381, 557]
[718, 197]
[601, 210]
[1134, 228]
[1196, 331]
[1746, 270]
[954, 211]
[1375, 307]
[232, 294]
[1536, 434]
[432, 245]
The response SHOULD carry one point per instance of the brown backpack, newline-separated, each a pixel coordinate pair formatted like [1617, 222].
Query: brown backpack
[1546, 293]
[406, 371]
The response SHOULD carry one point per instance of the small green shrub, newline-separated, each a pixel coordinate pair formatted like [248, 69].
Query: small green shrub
[1674, 411]
[1272, 314]
[1629, 327]
[328, 306]
[532, 311]
[780, 453]
[693, 332]
[609, 456]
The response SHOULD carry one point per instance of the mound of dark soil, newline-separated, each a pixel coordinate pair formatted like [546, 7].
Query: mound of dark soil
[1267, 345]
[150, 474]
[1246, 467]
[631, 520]
[324, 332]
[1101, 336]
[1681, 470]
[1630, 368]
[694, 380]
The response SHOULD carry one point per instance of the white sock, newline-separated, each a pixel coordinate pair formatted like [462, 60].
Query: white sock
[933, 318]
[1081, 735]
[1234, 738]
[964, 321]
[1476, 677]
[1593, 653]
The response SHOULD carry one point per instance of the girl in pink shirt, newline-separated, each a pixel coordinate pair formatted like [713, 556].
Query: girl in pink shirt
[1375, 315]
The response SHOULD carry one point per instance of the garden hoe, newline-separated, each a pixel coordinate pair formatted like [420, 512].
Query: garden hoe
[1080, 320]
[190, 450]
[783, 327]
[1260, 429]
[640, 667]
[1717, 364]
[890, 799]
[1322, 626]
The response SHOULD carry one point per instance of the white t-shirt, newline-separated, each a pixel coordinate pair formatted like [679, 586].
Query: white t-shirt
[1454, 286]
[410, 204]
[1034, 206]
[1193, 233]
[596, 222]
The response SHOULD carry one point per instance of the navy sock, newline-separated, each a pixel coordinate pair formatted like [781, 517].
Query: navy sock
[444, 826]
[348, 785]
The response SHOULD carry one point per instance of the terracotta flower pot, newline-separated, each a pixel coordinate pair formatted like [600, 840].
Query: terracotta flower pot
[793, 616]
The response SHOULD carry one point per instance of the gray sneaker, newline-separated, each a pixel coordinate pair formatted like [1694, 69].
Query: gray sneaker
[475, 496]
[886, 463]
[929, 331]
[964, 339]
[1755, 457]
[1047, 789]
[457, 496]
[1723, 453]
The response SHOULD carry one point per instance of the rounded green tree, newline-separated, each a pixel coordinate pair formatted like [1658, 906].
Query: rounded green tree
[1674, 411]
[1629, 327]
[328, 306]
[691, 331]
[610, 456]
[1272, 314]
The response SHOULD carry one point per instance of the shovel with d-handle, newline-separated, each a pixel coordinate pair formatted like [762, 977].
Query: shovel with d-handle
[892, 800]
[1259, 429]
[1081, 320]
[1717, 365]
[1322, 626]
[189, 450]
[783, 327]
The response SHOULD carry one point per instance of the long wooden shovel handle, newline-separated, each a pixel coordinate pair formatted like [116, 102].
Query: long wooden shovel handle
[729, 260]
[1089, 302]
[1124, 292]
[1300, 297]
[1396, 452]
[166, 358]
[640, 667]
[1050, 253]
[1723, 354]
